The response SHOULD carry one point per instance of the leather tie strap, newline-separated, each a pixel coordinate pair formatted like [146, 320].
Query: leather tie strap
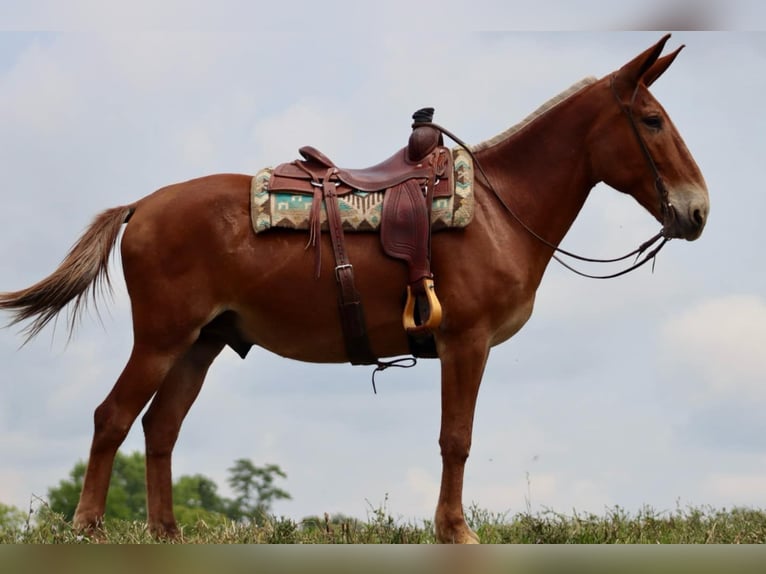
[349, 301]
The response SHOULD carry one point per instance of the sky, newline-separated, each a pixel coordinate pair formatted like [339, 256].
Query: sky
[643, 390]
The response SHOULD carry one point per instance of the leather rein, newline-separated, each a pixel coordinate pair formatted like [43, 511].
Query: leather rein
[644, 250]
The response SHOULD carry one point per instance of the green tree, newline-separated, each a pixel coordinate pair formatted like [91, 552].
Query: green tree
[126, 499]
[11, 518]
[255, 489]
[63, 498]
[195, 497]
[198, 491]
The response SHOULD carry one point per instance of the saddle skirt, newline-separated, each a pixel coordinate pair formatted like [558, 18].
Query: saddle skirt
[360, 210]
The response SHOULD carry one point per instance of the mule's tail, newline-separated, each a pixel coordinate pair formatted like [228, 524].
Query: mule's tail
[85, 268]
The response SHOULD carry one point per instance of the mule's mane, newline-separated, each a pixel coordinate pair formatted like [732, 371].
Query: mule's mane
[546, 107]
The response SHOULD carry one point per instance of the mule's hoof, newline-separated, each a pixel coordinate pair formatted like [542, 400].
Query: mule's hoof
[456, 534]
[466, 536]
[165, 531]
[90, 526]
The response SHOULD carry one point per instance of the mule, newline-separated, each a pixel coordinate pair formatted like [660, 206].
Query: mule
[195, 272]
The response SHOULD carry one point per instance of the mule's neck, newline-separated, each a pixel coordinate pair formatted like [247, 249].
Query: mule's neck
[542, 171]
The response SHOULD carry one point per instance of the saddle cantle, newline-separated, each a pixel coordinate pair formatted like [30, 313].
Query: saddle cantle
[410, 179]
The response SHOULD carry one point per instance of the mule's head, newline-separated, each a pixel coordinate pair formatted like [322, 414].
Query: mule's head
[636, 149]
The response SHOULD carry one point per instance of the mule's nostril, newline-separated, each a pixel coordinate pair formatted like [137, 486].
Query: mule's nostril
[699, 217]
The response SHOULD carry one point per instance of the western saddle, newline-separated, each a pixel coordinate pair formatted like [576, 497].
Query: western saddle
[411, 178]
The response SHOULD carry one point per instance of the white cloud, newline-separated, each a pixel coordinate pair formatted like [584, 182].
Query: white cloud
[741, 489]
[155, 61]
[718, 347]
[536, 490]
[305, 122]
[197, 146]
[425, 491]
[39, 94]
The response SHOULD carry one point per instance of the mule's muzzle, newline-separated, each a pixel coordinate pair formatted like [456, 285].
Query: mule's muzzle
[686, 215]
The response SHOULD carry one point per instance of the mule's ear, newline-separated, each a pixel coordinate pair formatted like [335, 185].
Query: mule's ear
[659, 67]
[631, 73]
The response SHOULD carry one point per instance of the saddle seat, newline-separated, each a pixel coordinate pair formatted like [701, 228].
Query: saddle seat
[384, 175]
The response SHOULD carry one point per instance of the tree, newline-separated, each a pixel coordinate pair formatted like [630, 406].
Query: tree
[198, 492]
[195, 497]
[11, 518]
[63, 498]
[256, 490]
[126, 499]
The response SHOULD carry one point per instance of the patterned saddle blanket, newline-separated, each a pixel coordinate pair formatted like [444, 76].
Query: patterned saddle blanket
[360, 211]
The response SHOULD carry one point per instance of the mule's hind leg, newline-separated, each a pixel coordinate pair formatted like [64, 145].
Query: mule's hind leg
[162, 423]
[139, 380]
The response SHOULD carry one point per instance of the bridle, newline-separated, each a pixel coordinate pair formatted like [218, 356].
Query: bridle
[644, 252]
[668, 212]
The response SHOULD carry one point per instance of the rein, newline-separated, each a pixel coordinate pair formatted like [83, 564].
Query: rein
[641, 250]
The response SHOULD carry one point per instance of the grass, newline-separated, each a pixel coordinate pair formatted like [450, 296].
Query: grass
[615, 526]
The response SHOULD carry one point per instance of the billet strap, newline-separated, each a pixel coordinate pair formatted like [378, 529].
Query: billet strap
[349, 301]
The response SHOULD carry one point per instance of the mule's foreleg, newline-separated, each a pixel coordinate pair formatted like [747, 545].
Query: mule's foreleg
[462, 365]
[162, 423]
[113, 418]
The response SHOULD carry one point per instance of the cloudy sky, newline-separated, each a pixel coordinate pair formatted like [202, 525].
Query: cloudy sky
[648, 389]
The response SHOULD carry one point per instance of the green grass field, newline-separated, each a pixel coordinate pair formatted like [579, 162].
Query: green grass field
[615, 526]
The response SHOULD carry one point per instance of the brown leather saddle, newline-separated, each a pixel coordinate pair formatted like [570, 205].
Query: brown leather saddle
[411, 179]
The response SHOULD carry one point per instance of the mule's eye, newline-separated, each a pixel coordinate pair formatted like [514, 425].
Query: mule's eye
[654, 122]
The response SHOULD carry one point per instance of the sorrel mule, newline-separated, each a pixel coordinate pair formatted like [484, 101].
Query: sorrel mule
[196, 272]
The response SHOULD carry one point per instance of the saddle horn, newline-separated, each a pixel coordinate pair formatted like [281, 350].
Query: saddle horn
[424, 137]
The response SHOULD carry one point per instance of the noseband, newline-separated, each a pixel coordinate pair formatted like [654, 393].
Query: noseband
[642, 253]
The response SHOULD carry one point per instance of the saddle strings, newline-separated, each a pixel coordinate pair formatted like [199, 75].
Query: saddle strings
[638, 252]
[402, 363]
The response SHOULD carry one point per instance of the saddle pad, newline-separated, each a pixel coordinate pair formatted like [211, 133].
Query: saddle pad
[360, 211]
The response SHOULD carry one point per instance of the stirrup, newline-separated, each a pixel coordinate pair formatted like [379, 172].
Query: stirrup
[433, 313]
